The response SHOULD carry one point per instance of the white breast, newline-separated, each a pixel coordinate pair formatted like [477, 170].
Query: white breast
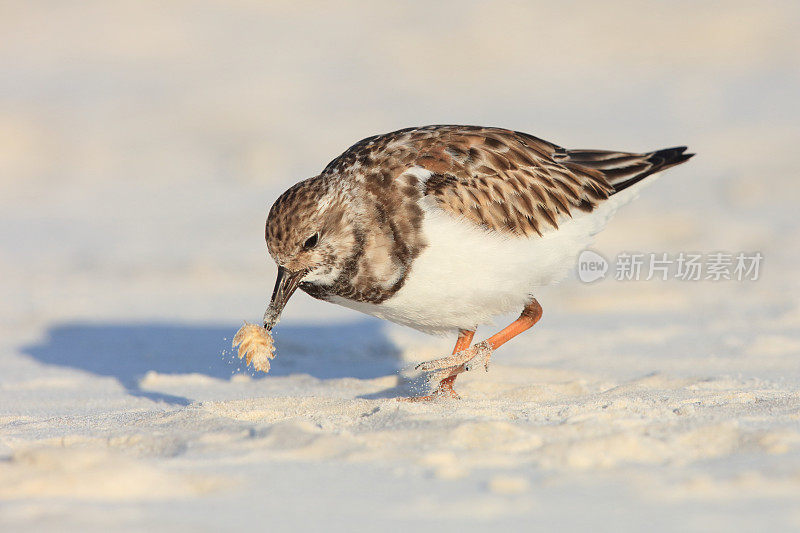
[467, 275]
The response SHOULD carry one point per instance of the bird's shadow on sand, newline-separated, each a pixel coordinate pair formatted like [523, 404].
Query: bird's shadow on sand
[127, 352]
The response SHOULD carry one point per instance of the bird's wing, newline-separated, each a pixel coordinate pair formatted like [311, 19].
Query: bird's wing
[507, 181]
[516, 183]
[502, 180]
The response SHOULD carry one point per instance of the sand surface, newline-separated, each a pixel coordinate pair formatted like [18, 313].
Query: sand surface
[140, 148]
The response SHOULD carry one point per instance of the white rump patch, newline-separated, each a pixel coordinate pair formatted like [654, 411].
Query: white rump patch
[422, 174]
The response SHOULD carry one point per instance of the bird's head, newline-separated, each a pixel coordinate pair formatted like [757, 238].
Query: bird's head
[310, 234]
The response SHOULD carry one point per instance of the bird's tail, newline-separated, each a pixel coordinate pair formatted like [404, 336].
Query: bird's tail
[623, 169]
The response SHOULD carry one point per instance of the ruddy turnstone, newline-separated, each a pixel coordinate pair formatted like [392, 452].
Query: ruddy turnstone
[441, 228]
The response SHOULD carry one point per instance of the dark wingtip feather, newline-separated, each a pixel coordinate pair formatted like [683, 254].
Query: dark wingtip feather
[660, 160]
[667, 156]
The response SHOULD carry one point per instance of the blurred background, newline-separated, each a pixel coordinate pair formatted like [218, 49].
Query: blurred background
[142, 143]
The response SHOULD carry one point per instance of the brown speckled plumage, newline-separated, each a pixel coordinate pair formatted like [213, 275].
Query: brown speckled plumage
[365, 205]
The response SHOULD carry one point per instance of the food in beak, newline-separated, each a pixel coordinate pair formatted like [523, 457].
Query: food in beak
[255, 346]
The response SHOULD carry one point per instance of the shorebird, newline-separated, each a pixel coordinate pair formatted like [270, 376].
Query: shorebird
[442, 228]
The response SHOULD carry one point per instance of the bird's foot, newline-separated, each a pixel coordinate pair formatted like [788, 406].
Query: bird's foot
[443, 371]
[483, 354]
[463, 361]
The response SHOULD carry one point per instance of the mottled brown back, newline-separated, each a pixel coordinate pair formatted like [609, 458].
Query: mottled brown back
[500, 179]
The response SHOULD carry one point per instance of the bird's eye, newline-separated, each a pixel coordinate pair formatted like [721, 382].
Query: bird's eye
[311, 242]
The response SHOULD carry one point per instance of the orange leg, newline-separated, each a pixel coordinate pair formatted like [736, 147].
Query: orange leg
[529, 316]
[446, 385]
[462, 358]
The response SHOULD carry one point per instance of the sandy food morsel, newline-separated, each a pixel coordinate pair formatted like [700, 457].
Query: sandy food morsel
[255, 346]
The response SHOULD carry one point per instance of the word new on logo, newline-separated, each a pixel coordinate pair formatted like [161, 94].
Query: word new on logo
[591, 266]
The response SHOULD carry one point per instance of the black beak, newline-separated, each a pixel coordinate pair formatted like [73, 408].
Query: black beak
[285, 286]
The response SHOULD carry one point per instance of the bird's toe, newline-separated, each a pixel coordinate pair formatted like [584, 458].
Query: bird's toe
[483, 353]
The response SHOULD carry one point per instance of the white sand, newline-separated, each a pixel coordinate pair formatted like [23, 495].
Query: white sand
[140, 148]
